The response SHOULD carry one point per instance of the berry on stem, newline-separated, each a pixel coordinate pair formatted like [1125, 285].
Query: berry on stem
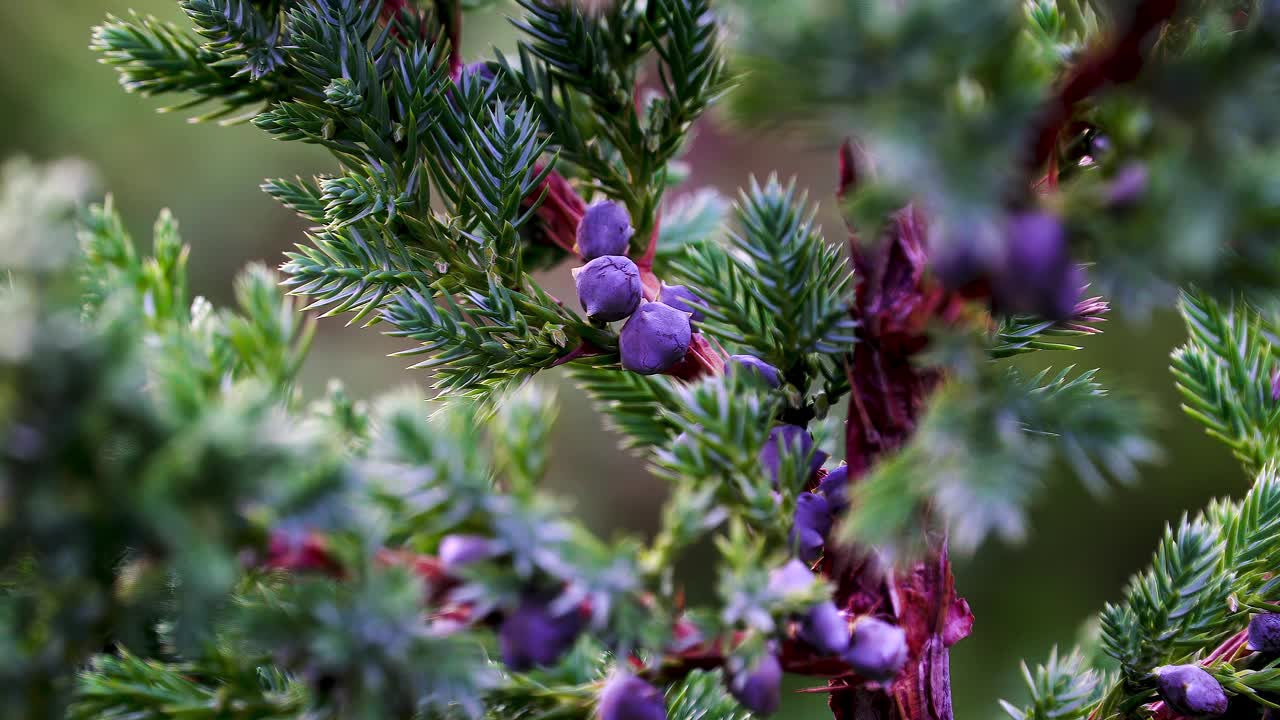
[608, 287]
[878, 650]
[825, 629]
[812, 522]
[835, 486]
[532, 636]
[1190, 691]
[753, 364]
[627, 697]
[794, 439]
[680, 297]
[1264, 633]
[605, 229]
[760, 688]
[1038, 275]
[655, 338]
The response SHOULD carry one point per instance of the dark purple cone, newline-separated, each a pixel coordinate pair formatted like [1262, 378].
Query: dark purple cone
[531, 636]
[792, 437]
[753, 364]
[458, 551]
[807, 542]
[479, 69]
[655, 338]
[1264, 633]
[609, 287]
[1190, 691]
[877, 650]
[680, 297]
[760, 688]
[1038, 275]
[627, 697]
[792, 577]
[812, 522]
[824, 628]
[961, 254]
[605, 229]
[836, 487]
[1128, 185]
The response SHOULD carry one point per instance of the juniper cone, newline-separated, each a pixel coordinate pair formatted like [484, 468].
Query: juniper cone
[877, 650]
[794, 440]
[532, 635]
[479, 69]
[1190, 691]
[753, 364]
[1264, 633]
[680, 298]
[605, 229]
[654, 339]
[458, 551]
[835, 486]
[1038, 275]
[609, 288]
[793, 576]
[627, 697]
[811, 523]
[759, 688]
[825, 629]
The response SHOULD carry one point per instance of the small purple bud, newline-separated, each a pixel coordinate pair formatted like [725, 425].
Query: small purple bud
[605, 229]
[1128, 185]
[812, 523]
[531, 636]
[825, 629]
[1190, 691]
[458, 551]
[836, 487]
[760, 688]
[1264, 633]
[795, 439]
[655, 338]
[608, 287]
[680, 297]
[479, 69]
[792, 577]
[807, 542]
[878, 650]
[1275, 386]
[753, 364]
[627, 697]
[1038, 275]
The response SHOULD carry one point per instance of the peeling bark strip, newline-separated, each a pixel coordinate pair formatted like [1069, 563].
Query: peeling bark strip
[895, 303]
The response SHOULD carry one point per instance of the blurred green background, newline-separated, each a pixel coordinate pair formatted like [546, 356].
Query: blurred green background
[59, 102]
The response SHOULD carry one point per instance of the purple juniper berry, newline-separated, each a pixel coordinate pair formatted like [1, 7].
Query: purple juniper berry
[1038, 275]
[825, 629]
[1190, 691]
[627, 697]
[794, 439]
[1264, 633]
[608, 287]
[759, 689]
[680, 297]
[605, 229]
[812, 522]
[458, 551]
[753, 364]
[877, 650]
[655, 338]
[532, 635]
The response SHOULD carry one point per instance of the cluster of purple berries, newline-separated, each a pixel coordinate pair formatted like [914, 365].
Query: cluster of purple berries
[1191, 691]
[532, 634]
[874, 649]
[657, 334]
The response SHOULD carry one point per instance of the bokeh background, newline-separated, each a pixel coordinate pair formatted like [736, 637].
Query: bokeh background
[57, 101]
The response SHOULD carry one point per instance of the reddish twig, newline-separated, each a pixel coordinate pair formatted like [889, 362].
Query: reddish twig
[1120, 61]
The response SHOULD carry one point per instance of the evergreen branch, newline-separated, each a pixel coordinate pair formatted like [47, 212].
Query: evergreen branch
[1177, 607]
[633, 403]
[237, 27]
[691, 220]
[126, 686]
[1064, 688]
[1021, 334]
[776, 287]
[1224, 374]
[978, 456]
[156, 58]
